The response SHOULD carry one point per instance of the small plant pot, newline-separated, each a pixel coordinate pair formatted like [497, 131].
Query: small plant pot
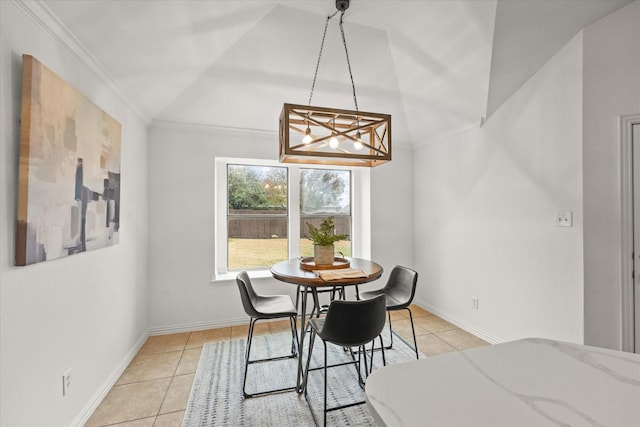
[323, 255]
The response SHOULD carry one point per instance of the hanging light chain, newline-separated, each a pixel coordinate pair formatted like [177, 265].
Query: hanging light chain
[346, 51]
[315, 76]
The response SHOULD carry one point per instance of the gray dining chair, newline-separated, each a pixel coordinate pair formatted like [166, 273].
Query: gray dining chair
[265, 307]
[398, 292]
[347, 324]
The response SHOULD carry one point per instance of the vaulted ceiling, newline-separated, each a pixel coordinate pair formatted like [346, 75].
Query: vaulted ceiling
[437, 66]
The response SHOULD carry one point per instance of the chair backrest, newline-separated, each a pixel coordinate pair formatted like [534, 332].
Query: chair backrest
[247, 294]
[401, 285]
[354, 323]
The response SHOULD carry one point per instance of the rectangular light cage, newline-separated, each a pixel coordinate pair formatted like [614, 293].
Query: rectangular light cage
[331, 136]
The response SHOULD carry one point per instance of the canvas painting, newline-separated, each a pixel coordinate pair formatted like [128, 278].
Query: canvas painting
[69, 172]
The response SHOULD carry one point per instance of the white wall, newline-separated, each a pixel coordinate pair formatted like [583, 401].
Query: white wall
[392, 213]
[484, 208]
[87, 312]
[611, 89]
[181, 206]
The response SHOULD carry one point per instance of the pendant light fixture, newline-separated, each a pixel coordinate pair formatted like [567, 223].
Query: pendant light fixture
[332, 136]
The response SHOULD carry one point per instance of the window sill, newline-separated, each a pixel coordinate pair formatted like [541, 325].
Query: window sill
[253, 274]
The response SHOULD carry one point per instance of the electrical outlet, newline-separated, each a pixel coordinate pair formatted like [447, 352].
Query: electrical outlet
[475, 303]
[563, 219]
[66, 382]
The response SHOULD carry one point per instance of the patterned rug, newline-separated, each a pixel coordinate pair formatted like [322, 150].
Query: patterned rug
[216, 396]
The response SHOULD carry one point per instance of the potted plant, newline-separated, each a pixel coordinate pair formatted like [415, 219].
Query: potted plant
[323, 239]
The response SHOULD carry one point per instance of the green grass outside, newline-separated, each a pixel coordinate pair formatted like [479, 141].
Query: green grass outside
[257, 253]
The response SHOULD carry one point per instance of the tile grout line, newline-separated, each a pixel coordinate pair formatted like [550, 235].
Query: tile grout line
[172, 379]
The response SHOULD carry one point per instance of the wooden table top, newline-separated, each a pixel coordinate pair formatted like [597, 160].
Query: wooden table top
[289, 271]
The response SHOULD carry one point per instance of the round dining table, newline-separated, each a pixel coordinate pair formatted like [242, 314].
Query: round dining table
[309, 281]
[291, 271]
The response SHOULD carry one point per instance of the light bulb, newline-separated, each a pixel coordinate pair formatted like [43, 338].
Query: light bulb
[357, 145]
[333, 142]
[307, 137]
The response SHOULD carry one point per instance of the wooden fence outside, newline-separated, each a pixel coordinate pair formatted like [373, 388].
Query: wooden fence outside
[268, 226]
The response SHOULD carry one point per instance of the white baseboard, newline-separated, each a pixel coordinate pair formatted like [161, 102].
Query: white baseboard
[198, 326]
[100, 394]
[462, 325]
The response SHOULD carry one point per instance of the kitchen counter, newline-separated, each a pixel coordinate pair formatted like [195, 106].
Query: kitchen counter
[529, 382]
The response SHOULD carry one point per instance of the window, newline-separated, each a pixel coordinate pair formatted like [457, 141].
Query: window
[263, 207]
[257, 221]
[324, 193]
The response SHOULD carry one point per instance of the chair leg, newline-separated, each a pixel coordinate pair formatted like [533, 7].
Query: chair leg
[384, 359]
[360, 381]
[305, 375]
[390, 331]
[373, 343]
[413, 330]
[369, 370]
[362, 351]
[246, 356]
[248, 361]
[325, 383]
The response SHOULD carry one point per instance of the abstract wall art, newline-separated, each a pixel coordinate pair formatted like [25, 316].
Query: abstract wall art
[69, 171]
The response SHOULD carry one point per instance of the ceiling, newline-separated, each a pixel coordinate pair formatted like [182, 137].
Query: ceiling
[436, 66]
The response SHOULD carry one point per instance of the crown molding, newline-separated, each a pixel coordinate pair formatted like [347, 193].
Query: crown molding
[211, 128]
[47, 21]
[170, 124]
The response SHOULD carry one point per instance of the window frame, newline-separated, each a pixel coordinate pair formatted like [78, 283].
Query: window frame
[360, 211]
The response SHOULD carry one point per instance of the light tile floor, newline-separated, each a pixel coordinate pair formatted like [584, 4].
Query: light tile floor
[154, 389]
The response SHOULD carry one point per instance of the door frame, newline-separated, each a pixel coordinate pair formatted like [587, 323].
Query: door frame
[626, 124]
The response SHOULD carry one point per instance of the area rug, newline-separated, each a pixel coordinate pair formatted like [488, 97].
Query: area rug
[216, 396]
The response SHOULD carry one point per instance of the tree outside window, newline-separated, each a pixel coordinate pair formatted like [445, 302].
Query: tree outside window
[324, 193]
[257, 221]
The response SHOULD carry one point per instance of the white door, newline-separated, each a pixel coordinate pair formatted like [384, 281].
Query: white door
[635, 144]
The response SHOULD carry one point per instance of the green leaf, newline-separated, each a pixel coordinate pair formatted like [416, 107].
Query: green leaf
[325, 235]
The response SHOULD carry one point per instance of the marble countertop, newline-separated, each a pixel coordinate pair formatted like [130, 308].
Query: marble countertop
[529, 382]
